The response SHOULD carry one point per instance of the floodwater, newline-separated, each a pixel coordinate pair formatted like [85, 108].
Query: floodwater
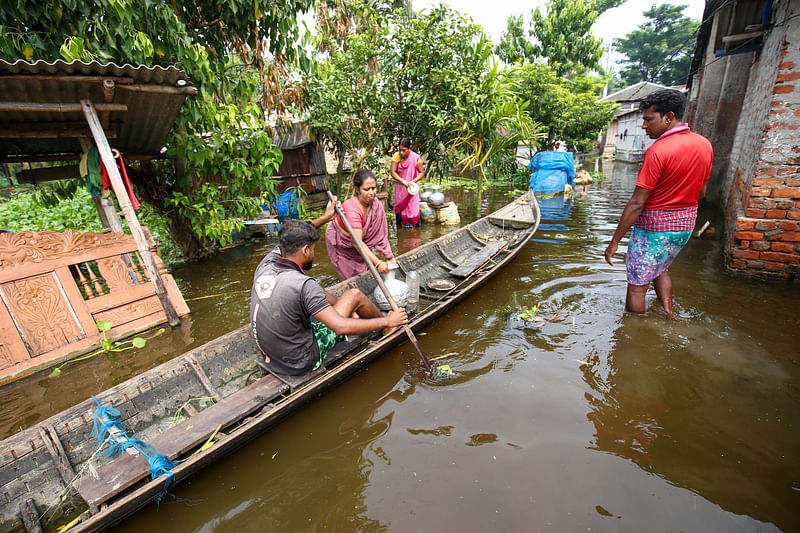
[596, 420]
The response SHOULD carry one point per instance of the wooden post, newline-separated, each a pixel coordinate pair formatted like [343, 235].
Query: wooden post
[127, 210]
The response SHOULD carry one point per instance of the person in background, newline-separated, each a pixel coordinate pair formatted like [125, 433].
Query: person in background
[406, 169]
[368, 220]
[295, 322]
[663, 207]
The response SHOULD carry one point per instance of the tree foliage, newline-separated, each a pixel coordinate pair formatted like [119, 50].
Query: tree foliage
[235, 52]
[660, 49]
[567, 108]
[564, 35]
[424, 77]
[560, 36]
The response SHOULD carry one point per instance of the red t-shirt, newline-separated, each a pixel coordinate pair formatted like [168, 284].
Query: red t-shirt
[675, 168]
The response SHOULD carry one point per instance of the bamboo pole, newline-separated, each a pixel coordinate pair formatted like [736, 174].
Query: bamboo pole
[127, 209]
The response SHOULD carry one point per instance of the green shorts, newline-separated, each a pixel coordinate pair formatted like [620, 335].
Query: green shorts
[326, 339]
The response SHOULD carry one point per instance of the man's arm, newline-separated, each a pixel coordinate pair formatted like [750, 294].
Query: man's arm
[629, 216]
[326, 217]
[347, 326]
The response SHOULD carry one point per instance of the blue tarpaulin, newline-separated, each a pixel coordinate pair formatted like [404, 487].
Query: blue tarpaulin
[551, 171]
[286, 205]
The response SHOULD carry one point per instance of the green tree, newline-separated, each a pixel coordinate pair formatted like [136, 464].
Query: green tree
[567, 108]
[660, 49]
[514, 46]
[560, 36]
[235, 52]
[564, 35]
[422, 77]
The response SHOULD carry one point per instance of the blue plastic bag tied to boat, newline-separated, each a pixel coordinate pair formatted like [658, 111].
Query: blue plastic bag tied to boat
[551, 171]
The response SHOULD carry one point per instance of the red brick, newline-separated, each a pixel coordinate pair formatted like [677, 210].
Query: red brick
[756, 265]
[789, 76]
[788, 226]
[761, 246]
[768, 182]
[784, 203]
[744, 245]
[776, 213]
[786, 65]
[792, 182]
[764, 225]
[745, 254]
[787, 171]
[746, 224]
[783, 89]
[749, 235]
[737, 263]
[774, 267]
[797, 112]
[780, 257]
[760, 191]
[766, 171]
[762, 203]
[786, 193]
[793, 214]
[791, 236]
[782, 247]
[755, 213]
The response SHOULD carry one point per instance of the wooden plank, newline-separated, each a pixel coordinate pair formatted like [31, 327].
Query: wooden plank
[76, 301]
[57, 453]
[57, 107]
[30, 517]
[89, 111]
[480, 257]
[123, 472]
[201, 374]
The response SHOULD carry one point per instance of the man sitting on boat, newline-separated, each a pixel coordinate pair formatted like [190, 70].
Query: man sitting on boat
[295, 321]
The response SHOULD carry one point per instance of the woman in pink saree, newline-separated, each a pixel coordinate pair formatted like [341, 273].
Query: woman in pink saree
[368, 220]
[406, 169]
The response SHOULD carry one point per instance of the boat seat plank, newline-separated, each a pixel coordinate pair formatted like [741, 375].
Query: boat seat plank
[339, 350]
[475, 261]
[121, 473]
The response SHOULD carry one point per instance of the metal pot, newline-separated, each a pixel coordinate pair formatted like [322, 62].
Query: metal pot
[397, 288]
[426, 192]
[436, 197]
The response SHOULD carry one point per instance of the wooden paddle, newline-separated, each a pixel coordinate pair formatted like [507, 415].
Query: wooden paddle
[361, 247]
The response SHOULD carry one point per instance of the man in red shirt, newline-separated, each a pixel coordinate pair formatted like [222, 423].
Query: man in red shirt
[663, 207]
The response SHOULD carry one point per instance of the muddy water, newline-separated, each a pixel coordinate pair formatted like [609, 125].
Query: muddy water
[596, 420]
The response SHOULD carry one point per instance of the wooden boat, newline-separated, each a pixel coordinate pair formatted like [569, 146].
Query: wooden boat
[53, 475]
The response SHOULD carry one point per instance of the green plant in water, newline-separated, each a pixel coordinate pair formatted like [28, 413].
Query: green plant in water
[107, 345]
[529, 315]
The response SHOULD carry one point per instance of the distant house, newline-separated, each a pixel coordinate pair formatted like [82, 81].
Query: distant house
[625, 138]
[745, 97]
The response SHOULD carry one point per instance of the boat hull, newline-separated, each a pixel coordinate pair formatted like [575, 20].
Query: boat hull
[246, 404]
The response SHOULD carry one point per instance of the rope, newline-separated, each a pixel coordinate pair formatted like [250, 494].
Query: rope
[160, 464]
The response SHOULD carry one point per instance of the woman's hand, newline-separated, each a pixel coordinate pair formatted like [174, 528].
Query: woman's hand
[382, 267]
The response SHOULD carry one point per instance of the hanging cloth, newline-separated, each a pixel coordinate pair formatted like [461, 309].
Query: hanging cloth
[92, 169]
[123, 173]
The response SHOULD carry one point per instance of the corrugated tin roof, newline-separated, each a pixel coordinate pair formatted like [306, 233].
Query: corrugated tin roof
[141, 130]
[634, 93]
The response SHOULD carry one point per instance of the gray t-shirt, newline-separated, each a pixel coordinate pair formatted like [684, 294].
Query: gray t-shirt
[282, 301]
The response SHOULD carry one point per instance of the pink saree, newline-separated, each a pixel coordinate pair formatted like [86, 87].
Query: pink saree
[343, 253]
[407, 204]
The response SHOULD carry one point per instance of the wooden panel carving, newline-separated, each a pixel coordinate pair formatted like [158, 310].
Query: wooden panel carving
[42, 314]
[5, 356]
[115, 272]
[35, 247]
[123, 314]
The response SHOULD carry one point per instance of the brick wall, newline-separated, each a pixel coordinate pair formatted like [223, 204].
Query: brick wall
[763, 182]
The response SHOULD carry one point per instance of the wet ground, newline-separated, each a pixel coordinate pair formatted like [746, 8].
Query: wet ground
[596, 420]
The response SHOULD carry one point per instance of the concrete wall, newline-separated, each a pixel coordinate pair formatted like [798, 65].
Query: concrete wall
[633, 143]
[762, 185]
